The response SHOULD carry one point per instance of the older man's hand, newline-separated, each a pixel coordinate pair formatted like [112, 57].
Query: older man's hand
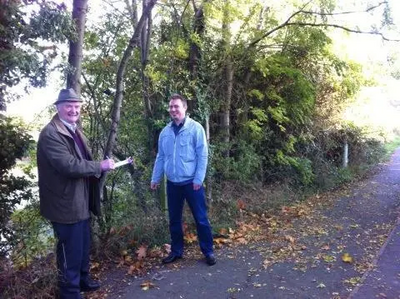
[107, 165]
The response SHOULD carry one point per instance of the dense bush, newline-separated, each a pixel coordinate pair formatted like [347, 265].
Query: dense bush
[14, 144]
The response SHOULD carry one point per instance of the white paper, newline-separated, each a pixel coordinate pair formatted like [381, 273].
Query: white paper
[122, 163]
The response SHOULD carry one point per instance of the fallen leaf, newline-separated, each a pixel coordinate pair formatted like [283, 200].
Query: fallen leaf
[347, 258]
[141, 252]
[147, 285]
[223, 231]
[353, 280]
[328, 258]
[190, 238]
[131, 269]
[241, 241]
[95, 266]
[289, 238]
[167, 248]
[325, 247]
[240, 204]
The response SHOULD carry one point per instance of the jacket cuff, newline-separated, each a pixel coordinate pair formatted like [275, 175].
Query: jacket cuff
[98, 168]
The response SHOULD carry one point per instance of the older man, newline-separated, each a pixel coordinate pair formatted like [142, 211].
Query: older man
[68, 190]
[182, 156]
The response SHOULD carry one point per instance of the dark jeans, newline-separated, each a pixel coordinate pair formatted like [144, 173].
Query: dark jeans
[197, 204]
[73, 244]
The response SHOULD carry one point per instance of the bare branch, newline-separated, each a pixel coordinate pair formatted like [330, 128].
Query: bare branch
[301, 11]
[343, 28]
[345, 12]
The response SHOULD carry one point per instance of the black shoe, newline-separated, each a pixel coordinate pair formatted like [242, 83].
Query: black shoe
[89, 285]
[171, 258]
[211, 260]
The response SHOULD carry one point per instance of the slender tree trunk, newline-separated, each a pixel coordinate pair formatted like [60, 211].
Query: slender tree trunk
[75, 57]
[228, 78]
[195, 51]
[144, 47]
[226, 105]
[116, 112]
[244, 115]
[145, 39]
[194, 61]
[209, 180]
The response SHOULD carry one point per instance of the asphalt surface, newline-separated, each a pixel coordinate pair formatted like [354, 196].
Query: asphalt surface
[362, 222]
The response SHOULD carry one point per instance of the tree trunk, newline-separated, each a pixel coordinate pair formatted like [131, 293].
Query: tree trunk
[226, 105]
[145, 46]
[151, 148]
[75, 46]
[228, 77]
[116, 112]
[195, 51]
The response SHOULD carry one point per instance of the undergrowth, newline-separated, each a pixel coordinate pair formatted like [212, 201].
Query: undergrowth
[150, 228]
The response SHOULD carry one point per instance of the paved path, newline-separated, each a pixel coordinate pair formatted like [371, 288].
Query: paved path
[384, 280]
[363, 223]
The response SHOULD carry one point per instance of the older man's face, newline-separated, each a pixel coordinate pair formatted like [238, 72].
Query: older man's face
[69, 111]
[177, 110]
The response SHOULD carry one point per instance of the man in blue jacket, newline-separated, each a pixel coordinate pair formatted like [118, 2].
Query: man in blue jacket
[182, 156]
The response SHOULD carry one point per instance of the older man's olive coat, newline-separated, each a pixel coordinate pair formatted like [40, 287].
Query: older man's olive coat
[68, 183]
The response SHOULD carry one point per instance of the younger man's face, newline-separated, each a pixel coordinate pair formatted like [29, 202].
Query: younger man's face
[177, 110]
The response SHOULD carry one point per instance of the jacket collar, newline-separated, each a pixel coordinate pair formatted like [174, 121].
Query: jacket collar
[61, 128]
[72, 127]
[185, 123]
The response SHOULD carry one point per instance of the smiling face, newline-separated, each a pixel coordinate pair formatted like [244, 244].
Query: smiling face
[69, 111]
[177, 110]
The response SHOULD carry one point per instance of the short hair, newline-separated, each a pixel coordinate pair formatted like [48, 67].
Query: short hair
[176, 96]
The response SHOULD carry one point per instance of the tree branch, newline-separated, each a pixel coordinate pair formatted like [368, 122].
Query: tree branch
[345, 12]
[301, 11]
[343, 28]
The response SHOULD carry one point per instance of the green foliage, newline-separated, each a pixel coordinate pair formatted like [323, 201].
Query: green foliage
[14, 143]
[390, 147]
[24, 53]
[131, 225]
[33, 236]
[326, 154]
[242, 164]
[394, 63]
[287, 88]
[287, 94]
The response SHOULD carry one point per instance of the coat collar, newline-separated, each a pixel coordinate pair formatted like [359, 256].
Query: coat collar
[61, 128]
[185, 123]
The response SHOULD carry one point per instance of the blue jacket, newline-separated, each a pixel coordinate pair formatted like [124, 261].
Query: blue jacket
[182, 157]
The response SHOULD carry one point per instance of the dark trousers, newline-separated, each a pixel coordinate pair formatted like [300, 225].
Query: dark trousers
[197, 204]
[73, 244]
